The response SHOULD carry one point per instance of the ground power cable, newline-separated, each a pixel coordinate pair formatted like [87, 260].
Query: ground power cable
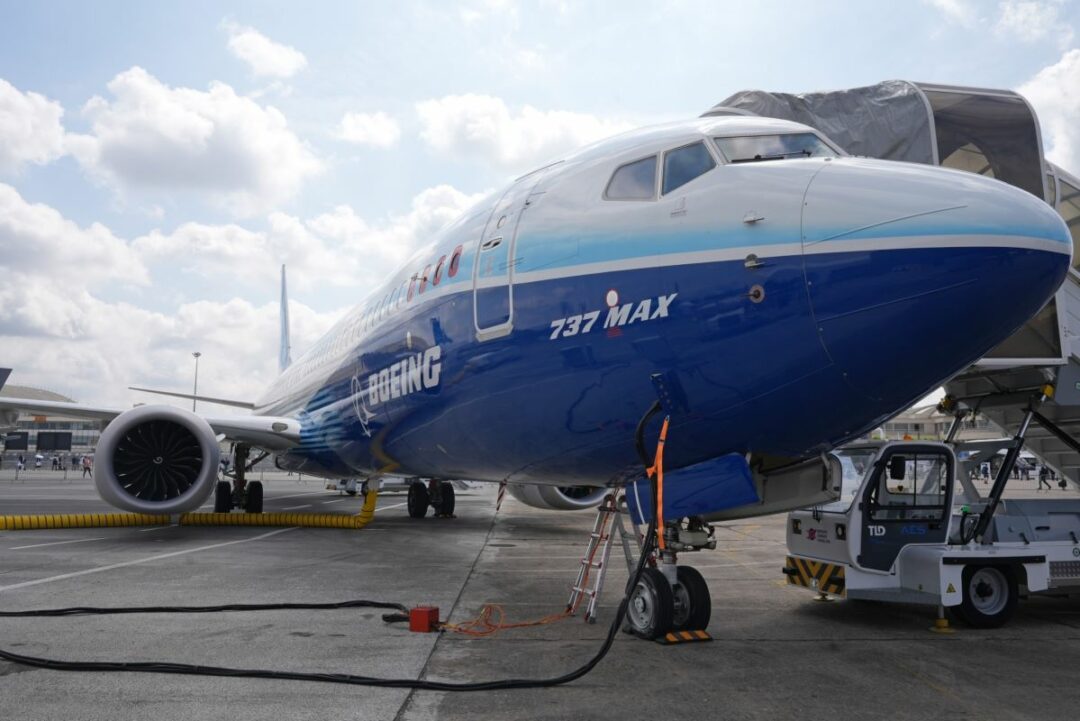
[339, 678]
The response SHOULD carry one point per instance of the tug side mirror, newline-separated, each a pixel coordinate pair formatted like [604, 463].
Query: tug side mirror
[897, 468]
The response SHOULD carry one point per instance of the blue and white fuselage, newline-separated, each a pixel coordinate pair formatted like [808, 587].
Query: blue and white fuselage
[798, 300]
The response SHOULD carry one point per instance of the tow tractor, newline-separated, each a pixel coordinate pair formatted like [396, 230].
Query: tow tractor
[910, 526]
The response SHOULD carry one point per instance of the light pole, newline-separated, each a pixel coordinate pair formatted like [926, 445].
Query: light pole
[195, 390]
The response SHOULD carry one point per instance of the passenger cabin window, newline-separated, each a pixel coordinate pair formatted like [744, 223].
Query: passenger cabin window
[684, 164]
[756, 148]
[633, 181]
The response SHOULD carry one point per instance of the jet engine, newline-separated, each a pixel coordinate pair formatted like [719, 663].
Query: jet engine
[156, 459]
[558, 498]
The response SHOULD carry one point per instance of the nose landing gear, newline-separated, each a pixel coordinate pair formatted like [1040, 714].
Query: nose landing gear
[672, 603]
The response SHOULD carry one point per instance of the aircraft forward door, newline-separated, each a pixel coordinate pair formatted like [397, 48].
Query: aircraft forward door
[493, 272]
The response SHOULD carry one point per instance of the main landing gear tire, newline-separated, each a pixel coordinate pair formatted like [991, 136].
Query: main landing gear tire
[651, 609]
[253, 503]
[419, 500]
[447, 501]
[222, 497]
[990, 596]
[693, 602]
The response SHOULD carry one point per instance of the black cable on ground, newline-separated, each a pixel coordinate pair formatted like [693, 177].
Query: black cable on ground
[227, 608]
[342, 678]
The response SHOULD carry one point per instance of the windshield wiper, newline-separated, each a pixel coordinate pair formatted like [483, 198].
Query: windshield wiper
[774, 156]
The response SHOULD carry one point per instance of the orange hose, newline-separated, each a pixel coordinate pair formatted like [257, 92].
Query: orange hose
[659, 466]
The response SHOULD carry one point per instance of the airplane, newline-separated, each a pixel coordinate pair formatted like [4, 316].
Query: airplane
[782, 297]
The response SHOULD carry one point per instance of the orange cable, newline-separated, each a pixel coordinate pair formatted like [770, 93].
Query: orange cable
[659, 466]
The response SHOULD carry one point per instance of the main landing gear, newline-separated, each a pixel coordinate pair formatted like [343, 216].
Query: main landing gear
[240, 493]
[438, 495]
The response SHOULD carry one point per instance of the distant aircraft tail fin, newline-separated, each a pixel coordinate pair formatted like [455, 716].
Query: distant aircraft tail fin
[285, 351]
[4, 373]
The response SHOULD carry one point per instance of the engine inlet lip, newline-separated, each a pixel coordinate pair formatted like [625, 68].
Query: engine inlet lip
[110, 484]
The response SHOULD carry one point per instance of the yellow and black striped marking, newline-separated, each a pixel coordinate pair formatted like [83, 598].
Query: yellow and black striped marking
[674, 637]
[818, 575]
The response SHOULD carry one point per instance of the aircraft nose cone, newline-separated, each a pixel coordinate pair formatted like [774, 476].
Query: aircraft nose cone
[915, 272]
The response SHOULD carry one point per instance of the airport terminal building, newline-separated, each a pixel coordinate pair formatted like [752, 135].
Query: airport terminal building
[29, 435]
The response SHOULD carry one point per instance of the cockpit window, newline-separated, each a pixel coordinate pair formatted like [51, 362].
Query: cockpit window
[755, 148]
[686, 163]
[633, 181]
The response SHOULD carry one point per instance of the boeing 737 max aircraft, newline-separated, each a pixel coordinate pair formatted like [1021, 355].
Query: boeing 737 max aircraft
[790, 297]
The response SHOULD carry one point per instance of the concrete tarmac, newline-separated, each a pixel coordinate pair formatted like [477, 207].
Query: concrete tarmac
[777, 653]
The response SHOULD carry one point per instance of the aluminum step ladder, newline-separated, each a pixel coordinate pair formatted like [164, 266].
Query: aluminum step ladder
[590, 578]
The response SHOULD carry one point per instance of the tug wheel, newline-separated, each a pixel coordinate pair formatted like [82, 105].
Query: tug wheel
[693, 602]
[990, 596]
[418, 499]
[222, 497]
[652, 606]
[253, 501]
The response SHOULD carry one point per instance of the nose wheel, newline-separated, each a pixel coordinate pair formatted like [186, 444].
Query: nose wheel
[652, 606]
[693, 602]
[657, 606]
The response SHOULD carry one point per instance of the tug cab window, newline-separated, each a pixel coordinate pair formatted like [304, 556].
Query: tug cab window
[633, 181]
[686, 163]
[911, 486]
[757, 148]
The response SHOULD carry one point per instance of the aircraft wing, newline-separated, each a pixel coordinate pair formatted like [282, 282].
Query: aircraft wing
[271, 433]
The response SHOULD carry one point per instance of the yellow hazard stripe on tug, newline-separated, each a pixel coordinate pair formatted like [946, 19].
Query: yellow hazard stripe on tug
[118, 520]
[818, 575]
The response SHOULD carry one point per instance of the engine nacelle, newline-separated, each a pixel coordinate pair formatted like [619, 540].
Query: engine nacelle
[156, 459]
[558, 498]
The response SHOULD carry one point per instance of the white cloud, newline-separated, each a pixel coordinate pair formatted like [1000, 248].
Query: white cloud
[36, 240]
[56, 328]
[96, 349]
[1053, 93]
[475, 11]
[30, 129]
[58, 332]
[150, 135]
[1033, 21]
[265, 57]
[483, 126]
[960, 12]
[337, 248]
[375, 129]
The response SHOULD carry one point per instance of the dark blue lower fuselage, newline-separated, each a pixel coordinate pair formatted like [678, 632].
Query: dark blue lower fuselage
[834, 344]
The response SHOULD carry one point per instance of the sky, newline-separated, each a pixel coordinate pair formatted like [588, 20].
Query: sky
[160, 161]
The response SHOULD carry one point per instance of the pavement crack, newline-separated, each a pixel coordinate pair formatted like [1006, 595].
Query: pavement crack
[405, 704]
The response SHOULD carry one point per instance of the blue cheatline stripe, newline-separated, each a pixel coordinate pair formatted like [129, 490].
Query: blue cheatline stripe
[541, 252]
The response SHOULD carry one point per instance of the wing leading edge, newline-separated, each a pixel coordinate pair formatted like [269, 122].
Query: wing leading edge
[272, 433]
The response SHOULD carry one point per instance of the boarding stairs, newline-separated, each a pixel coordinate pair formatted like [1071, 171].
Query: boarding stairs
[999, 389]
